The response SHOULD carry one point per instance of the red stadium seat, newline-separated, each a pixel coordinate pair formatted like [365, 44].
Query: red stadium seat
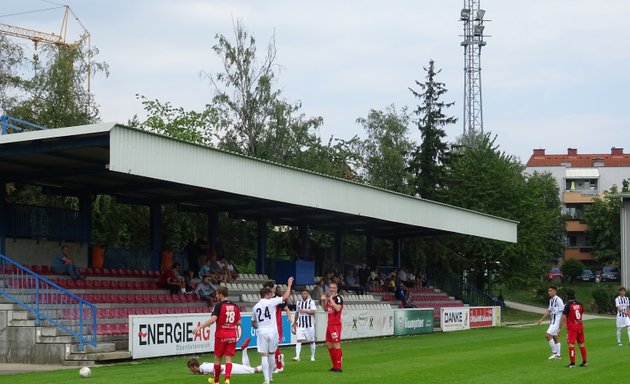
[97, 272]
[104, 329]
[106, 272]
[137, 285]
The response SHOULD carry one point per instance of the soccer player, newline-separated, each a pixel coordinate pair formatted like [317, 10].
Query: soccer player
[237, 369]
[623, 321]
[554, 311]
[282, 307]
[334, 306]
[572, 317]
[304, 324]
[264, 321]
[228, 318]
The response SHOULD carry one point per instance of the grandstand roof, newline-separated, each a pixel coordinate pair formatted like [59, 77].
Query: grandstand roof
[141, 167]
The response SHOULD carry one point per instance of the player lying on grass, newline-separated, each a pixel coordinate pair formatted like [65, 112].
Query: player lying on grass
[237, 369]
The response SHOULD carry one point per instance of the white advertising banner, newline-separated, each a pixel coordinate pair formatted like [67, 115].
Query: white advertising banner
[168, 335]
[454, 319]
[358, 323]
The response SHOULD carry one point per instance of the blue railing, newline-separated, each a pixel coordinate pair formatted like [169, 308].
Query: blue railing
[12, 124]
[48, 301]
[462, 291]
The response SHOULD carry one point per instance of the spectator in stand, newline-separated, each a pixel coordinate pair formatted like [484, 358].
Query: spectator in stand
[364, 276]
[232, 270]
[212, 269]
[206, 291]
[318, 290]
[403, 276]
[189, 280]
[62, 263]
[192, 253]
[401, 293]
[169, 279]
[375, 282]
[351, 282]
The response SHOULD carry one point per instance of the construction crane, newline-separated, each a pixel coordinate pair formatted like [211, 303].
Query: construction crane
[38, 37]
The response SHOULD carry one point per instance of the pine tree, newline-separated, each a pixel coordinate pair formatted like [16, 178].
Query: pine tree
[430, 160]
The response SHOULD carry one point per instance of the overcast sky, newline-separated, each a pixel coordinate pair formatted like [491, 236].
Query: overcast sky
[555, 73]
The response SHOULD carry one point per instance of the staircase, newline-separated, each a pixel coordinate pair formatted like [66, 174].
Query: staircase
[21, 341]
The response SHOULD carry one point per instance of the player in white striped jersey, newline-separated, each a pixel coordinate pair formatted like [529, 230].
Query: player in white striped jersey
[304, 324]
[622, 303]
[554, 311]
[264, 320]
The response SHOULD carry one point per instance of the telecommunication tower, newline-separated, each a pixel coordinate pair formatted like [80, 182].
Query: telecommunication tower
[472, 17]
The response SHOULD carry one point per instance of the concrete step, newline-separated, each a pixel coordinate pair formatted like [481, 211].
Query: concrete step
[100, 347]
[79, 363]
[99, 356]
[55, 339]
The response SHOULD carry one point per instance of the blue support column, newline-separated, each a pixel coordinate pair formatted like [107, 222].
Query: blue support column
[338, 247]
[85, 225]
[4, 218]
[369, 248]
[303, 229]
[262, 246]
[397, 248]
[155, 221]
[213, 229]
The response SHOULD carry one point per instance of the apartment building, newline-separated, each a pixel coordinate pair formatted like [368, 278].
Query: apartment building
[581, 177]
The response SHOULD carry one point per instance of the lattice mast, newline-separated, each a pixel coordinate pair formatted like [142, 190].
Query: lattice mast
[473, 17]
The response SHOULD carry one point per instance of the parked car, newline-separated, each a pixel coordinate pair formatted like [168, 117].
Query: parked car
[611, 273]
[555, 274]
[587, 275]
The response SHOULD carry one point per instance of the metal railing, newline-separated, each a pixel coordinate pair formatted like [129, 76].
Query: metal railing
[10, 124]
[48, 301]
[462, 291]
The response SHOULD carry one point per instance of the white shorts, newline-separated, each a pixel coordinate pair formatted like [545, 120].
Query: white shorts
[305, 334]
[240, 369]
[623, 322]
[554, 328]
[267, 341]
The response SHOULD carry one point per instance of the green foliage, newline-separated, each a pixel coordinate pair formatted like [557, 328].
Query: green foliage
[11, 59]
[571, 269]
[384, 152]
[430, 160]
[604, 297]
[604, 229]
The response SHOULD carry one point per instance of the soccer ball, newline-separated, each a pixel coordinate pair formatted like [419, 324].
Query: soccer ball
[85, 372]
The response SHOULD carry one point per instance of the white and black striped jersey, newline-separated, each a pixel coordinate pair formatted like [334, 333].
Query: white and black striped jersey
[556, 307]
[622, 303]
[304, 319]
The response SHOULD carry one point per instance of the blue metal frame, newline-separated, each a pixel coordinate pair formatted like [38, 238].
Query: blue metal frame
[48, 301]
[11, 122]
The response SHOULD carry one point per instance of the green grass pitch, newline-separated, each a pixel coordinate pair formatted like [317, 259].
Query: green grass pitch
[491, 355]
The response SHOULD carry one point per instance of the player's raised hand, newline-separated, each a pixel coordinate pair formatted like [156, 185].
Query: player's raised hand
[290, 281]
[324, 297]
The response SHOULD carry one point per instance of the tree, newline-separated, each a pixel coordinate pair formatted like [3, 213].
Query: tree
[482, 178]
[253, 117]
[431, 159]
[604, 228]
[572, 269]
[384, 152]
[11, 59]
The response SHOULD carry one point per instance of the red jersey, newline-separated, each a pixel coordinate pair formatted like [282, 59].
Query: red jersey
[334, 317]
[573, 311]
[228, 317]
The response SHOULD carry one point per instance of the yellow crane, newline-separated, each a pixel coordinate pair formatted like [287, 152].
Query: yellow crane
[50, 38]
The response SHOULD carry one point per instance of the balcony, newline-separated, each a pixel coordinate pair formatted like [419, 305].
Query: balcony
[578, 197]
[575, 226]
[579, 253]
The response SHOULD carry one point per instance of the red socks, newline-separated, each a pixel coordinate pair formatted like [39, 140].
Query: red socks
[583, 352]
[278, 362]
[228, 370]
[336, 356]
[217, 372]
[572, 355]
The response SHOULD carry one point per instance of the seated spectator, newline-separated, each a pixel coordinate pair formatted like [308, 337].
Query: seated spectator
[61, 263]
[232, 270]
[351, 282]
[318, 290]
[375, 281]
[401, 293]
[212, 269]
[189, 280]
[364, 276]
[206, 291]
[170, 279]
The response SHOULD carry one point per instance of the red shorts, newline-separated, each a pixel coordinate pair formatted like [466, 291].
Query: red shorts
[224, 348]
[333, 333]
[575, 334]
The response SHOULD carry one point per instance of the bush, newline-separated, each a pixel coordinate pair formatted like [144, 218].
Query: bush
[604, 300]
[571, 269]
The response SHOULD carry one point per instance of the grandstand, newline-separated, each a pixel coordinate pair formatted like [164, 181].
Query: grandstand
[118, 293]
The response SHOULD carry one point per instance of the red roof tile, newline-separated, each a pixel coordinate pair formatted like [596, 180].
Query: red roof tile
[618, 159]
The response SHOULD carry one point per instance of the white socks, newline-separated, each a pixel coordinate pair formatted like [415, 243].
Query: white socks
[313, 347]
[298, 349]
[271, 365]
[265, 369]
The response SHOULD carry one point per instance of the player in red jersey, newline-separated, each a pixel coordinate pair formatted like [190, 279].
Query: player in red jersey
[279, 356]
[572, 317]
[334, 306]
[228, 330]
